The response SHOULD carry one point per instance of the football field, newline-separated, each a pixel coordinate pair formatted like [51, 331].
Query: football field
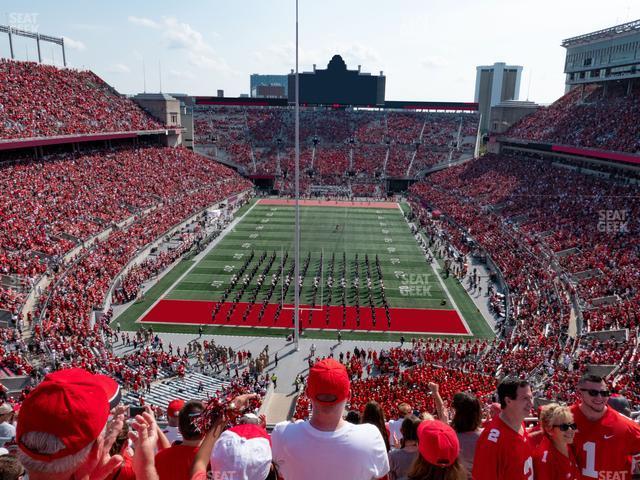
[355, 259]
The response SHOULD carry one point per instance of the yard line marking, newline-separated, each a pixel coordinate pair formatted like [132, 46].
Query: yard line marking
[196, 261]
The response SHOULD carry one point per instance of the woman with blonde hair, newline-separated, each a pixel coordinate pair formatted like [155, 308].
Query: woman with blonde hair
[554, 459]
[439, 449]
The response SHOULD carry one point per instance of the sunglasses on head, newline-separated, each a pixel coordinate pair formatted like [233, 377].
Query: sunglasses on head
[566, 426]
[595, 393]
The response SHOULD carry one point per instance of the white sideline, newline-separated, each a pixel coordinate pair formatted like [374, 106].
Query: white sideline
[196, 260]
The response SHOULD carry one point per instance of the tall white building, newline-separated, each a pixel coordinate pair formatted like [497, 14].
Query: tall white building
[495, 84]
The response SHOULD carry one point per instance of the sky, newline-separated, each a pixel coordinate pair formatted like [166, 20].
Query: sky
[428, 49]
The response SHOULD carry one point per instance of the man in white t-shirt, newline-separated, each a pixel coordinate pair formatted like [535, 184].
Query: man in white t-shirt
[326, 446]
[395, 435]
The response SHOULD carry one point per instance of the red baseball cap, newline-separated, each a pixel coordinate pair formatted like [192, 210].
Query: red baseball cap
[328, 382]
[438, 443]
[71, 406]
[110, 386]
[174, 408]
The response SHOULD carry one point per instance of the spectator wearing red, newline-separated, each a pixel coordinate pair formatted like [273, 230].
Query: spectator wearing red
[62, 431]
[121, 447]
[175, 463]
[504, 451]
[439, 450]
[554, 458]
[602, 431]
[327, 446]
[171, 431]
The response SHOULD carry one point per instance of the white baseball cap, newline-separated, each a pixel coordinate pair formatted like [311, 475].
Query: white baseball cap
[244, 450]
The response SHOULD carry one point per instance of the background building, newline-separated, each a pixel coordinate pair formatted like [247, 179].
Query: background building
[494, 84]
[167, 110]
[269, 91]
[256, 80]
[506, 113]
[611, 54]
[337, 85]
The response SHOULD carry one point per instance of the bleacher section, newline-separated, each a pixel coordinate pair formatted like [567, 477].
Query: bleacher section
[44, 101]
[193, 386]
[335, 144]
[603, 117]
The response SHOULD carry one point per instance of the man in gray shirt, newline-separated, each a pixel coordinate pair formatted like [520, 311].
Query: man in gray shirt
[7, 430]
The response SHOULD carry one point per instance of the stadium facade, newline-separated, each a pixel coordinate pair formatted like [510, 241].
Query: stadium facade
[612, 54]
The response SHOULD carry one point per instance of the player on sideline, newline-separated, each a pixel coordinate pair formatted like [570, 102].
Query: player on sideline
[605, 440]
[504, 451]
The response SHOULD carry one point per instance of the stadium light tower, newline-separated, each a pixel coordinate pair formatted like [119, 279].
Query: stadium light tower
[296, 253]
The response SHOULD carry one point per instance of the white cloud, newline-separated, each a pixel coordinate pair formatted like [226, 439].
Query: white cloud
[90, 27]
[74, 44]
[354, 54]
[181, 36]
[434, 62]
[182, 74]
[358, 54]
[143, 22]
[118, 68]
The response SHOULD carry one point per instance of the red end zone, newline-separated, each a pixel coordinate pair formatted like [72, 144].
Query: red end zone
[327, 203]
[195, 312]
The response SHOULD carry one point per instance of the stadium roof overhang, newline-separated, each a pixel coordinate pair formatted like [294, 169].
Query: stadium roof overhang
[17, 143]
[618, 30]
[392, 104]
[628, 159]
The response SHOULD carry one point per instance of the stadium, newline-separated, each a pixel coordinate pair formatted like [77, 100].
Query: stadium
[412, 289]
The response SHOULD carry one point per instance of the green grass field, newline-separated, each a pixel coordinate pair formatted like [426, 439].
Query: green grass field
[325, 231]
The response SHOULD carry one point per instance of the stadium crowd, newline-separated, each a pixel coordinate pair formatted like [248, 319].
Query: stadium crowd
[50, 210]
[72, 426]
[564, 244]
[543, 229]
[334, 143]
[42, 101]
[598, 117]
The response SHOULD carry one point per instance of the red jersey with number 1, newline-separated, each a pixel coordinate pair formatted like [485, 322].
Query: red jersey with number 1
[604, 448]
[503, 454]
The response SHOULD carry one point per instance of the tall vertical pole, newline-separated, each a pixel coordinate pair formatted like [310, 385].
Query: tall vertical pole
[38, 44]
[296, 306]
[13, 57]
[64, 55]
